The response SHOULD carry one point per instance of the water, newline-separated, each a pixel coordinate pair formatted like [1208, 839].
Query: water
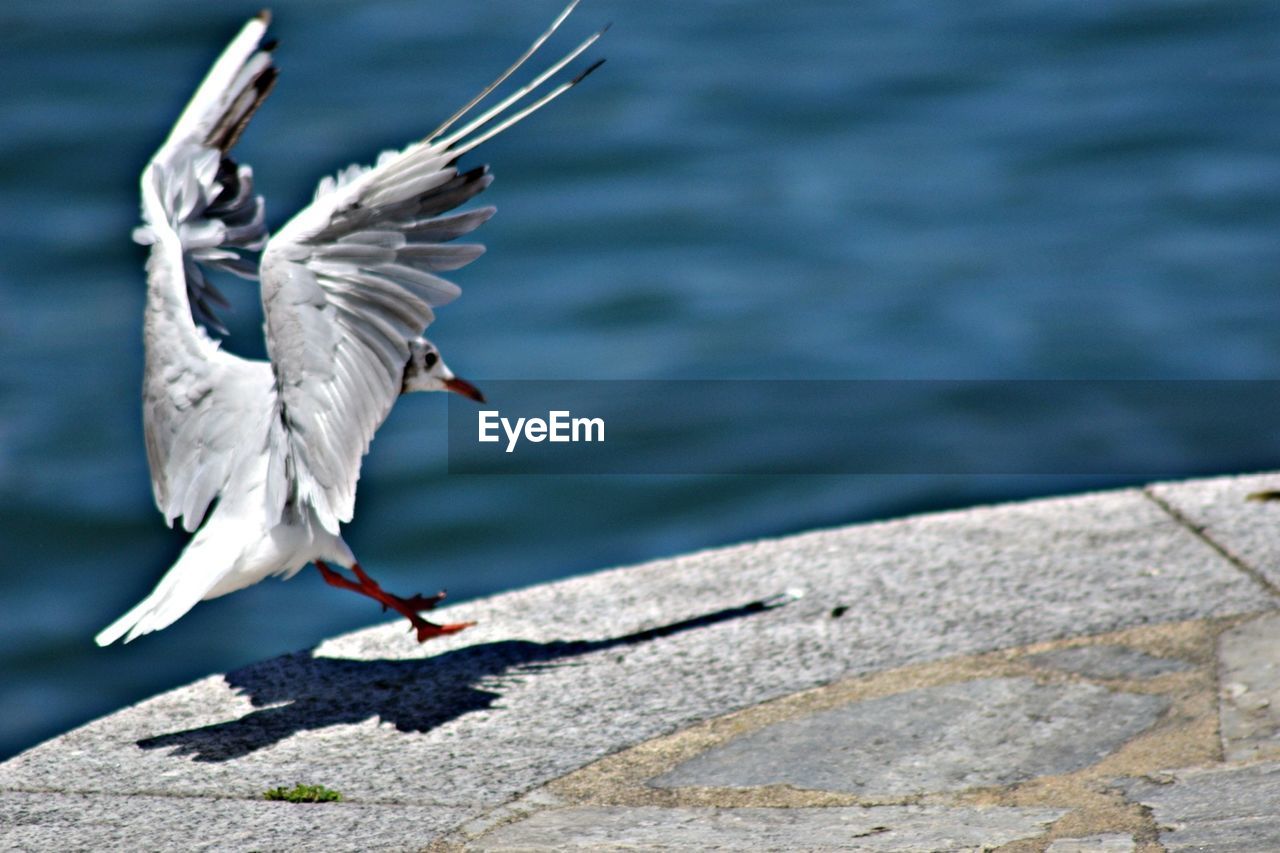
[821, 190]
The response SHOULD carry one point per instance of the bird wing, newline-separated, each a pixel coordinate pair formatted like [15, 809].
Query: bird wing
[350, 280]
[203, 409]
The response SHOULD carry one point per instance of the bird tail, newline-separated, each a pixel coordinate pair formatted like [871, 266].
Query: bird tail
[204, 562]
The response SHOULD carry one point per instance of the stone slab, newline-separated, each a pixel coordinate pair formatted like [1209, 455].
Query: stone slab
[97, 822]
[1249, 678]
[988, 731]
[557, 676]
[880, 828]
[1221, 508]
[1224, 809]
[1105, 661]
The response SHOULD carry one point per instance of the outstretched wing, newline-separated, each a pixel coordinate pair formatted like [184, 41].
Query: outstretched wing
[202, 408]
[353, 278]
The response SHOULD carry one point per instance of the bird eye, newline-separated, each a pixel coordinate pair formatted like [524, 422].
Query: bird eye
[429, 360]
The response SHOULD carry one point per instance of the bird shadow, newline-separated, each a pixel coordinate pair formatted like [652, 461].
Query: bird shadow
[301, 692]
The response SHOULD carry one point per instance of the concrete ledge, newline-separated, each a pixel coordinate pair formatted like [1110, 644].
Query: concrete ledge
[645, 707]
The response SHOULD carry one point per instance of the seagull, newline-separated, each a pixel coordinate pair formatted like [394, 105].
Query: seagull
[259, 459]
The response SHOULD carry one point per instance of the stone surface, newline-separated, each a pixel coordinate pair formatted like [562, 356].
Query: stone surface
[1249, 673]
[365, 713]
[881, 828]
[558, 676]
[1221, 809]
[96, 822]
[1107, 662]
[989, 731]
[1093, 844]
[1220, 507]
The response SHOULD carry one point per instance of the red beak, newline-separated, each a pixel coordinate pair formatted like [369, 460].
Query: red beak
[465, 388]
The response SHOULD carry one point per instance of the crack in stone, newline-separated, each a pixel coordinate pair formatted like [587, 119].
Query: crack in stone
[1200, 533]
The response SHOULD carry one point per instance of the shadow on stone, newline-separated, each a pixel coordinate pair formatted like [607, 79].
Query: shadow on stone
[305, 692]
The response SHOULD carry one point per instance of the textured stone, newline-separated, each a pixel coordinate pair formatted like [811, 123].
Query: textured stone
[89, 822]
[1093, 844]
[558, 676]
[990, 731]
[1220, 507]
[1219, 809]
[1107, 662]
[880, 828]
[1249, 676]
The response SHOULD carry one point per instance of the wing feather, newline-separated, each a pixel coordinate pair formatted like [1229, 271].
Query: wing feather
[351, 280]
[205, 412]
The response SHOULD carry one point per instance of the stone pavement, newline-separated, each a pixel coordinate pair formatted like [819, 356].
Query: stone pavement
[1093, 673]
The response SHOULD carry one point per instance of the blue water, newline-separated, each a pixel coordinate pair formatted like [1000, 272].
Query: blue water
[747, 190]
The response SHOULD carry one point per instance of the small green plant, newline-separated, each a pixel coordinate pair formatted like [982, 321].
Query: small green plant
[304, 794]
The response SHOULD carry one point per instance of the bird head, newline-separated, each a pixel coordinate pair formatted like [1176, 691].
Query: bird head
[426, 371]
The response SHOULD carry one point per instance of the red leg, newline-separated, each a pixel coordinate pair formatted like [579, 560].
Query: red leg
[406, 607]
[417, 603]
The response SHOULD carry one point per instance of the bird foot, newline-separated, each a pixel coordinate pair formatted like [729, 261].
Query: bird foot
[419, 603]
[426, 630]
[406, 607]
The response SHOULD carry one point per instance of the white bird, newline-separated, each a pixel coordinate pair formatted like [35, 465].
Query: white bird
[348, 286]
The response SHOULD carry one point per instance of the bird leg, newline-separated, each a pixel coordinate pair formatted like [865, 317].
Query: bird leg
[406, 607]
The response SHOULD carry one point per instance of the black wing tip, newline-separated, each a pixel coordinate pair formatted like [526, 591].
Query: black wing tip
[592, 67]
[227, 133]
[265, 82]
[264, 15]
